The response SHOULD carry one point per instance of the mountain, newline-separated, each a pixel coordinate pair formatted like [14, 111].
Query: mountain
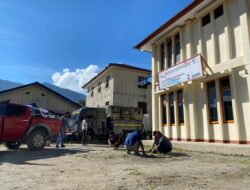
[70, 94]
[5, 84]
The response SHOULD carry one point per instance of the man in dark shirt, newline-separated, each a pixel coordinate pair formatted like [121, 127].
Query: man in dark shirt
[133, 142]
[163, 145]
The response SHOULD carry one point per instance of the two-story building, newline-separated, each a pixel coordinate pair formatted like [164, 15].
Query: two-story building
[200, 73]
[119, 85]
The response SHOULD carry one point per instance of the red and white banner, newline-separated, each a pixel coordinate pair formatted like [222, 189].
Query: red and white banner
[188, 70]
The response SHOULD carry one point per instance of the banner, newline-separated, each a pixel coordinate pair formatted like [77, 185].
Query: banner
[186, 71]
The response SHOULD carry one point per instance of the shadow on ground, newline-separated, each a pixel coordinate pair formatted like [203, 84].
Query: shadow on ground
[169, 155]
[23, 155]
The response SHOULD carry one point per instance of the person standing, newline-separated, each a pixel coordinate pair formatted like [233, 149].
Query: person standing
[133, 142]
[84, 130]
[62, 134]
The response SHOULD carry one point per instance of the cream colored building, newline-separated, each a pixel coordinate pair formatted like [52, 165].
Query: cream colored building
[216, 106]
[118, 85]
[41, 95]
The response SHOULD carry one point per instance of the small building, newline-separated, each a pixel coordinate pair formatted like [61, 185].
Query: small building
[120, 85]
[41, 95]
[200, 73]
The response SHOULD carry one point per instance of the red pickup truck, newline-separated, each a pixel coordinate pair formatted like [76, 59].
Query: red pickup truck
[20, 124]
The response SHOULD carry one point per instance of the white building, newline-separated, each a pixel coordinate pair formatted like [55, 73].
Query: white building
[117, 85]
[213, 107]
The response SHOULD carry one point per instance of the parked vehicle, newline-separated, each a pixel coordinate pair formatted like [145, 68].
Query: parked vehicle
[124, 119]
[95, 118]
[23, 124]
[102, 120]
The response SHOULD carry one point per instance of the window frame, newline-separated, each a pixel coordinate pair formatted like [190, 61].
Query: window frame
[170, 61]
[218, 12]
[222, 99]
[205, 21]
[208, 103]
[178, 107]
[99, 88]
[92, 92]
[141, 78]
[177, 39]
[163, 57]
[107, 81]
[169, 105]
[162, 108]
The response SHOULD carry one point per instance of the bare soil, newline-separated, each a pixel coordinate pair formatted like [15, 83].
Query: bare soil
[99, 167]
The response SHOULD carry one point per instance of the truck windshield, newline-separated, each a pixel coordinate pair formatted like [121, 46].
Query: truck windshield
[74, 115]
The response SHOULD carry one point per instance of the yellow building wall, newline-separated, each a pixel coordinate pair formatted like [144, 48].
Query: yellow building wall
[224, 43]
[122, 91]
[42, 97]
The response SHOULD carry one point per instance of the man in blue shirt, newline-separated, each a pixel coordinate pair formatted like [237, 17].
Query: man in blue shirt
[133, 142]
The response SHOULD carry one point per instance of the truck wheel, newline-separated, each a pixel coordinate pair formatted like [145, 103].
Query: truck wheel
[13, 145]
[37, 140]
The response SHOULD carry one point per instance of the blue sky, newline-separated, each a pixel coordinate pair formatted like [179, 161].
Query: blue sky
[66, 42]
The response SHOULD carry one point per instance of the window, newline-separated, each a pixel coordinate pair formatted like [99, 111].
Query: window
[107, 81]
[37, 113]
[15, 110]
[164, 109]
[218, 12]
[171, 108]
[212, 102]
[92, 92]
[142, 82]
[99, 87]
[206, 20]
[226, 99]
[143, 106]
[163, 57]
[177, 49]
[180, 106]
[169, 50]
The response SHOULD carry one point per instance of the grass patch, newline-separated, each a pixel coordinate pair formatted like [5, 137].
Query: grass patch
[108, 157]
[245, 161]
[135, 172]
[176, 149]
[147, 147]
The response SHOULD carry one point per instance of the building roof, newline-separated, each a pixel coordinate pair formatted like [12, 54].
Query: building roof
[43, 86]
[151, 38]
[116, 65]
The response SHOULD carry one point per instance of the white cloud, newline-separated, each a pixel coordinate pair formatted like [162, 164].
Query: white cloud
[74, 80]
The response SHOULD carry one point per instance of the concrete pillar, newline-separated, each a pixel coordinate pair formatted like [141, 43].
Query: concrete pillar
[228, 32]
[161, 125]
[214, 46]
[192, 100]
[189, 46]
[238, 121]
[186, 111]
[245, 36]
[201, 44]
[177, 124]
[220, 131]
[155, 123]
[183, 48]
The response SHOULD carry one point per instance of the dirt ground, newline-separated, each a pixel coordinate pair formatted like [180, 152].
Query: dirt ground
[99, 167]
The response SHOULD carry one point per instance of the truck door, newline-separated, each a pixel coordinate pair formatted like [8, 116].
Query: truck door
[2, 111]
[16, 121]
